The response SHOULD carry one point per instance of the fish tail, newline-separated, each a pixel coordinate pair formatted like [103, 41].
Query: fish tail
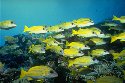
[23, 73]
[70, 63]
[115, 17]
[47, 47]
[67, 43]
[29, 79]
[26, 28]
[113, 38]
[74, 32]
[115, 55]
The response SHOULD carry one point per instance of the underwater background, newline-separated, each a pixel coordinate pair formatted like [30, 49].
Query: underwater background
[51, 12]
[68, 41]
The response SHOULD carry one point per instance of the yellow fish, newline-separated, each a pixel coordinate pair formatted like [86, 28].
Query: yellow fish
[98, 41]
[67, 25]
[38, 72]
[98, 32]
[11, 39]
[36, 49]
[120, 62]
[121, 19]
[84, 33]
[83, 22]
[106, 79]
[55, 48]
[117, 55]
[82, 61]
[55, 29]
[59, 36]
[120, 36]
[72, 52]
[51, 41]
[8, 24]
[99, 52]
[35, 29]
[82, 19]
[77, 45]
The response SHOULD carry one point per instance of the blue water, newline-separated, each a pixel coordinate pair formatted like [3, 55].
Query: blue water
[51, 12]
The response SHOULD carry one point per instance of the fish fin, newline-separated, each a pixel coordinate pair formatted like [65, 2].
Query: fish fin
[115, 18]
[29, 78]
[86, 42]
[23, 73]
[85, 66]
[47, 46]
[41, 39]
[116, 55]
[41, 80]
[70, 63]
[111, 51]
[74, 32]
[25, 28]
[89, 53]
[30, 48]
[67, 43]
[113, 38]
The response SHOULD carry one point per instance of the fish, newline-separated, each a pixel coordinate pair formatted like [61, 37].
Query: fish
[106, 36]
[55, 48]
[121, 19]
[51, 41]
[110, 24]
[99, 52]
[118, 55]
[84, 33]
[72, 52]
[77, 45]
[55, 29]
[13, 47]
[59, 36]
[8, 49]
[98, 41]
[117, 28]
[83, 22]
[98, 32]
[7, 24]
[38, 72]
[107, 79]
[36, 49]
[35, 29]
[83, 61]
[120, 62]
[67, 25]
[11, 39]
[120, 36]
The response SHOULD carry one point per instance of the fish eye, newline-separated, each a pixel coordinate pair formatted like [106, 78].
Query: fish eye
[61, 51]
[72, 23]
[60, 27]
[85, 45]
[11, 22]
[101, 33]
[105, 51]
[93, 32]
[51, 71]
